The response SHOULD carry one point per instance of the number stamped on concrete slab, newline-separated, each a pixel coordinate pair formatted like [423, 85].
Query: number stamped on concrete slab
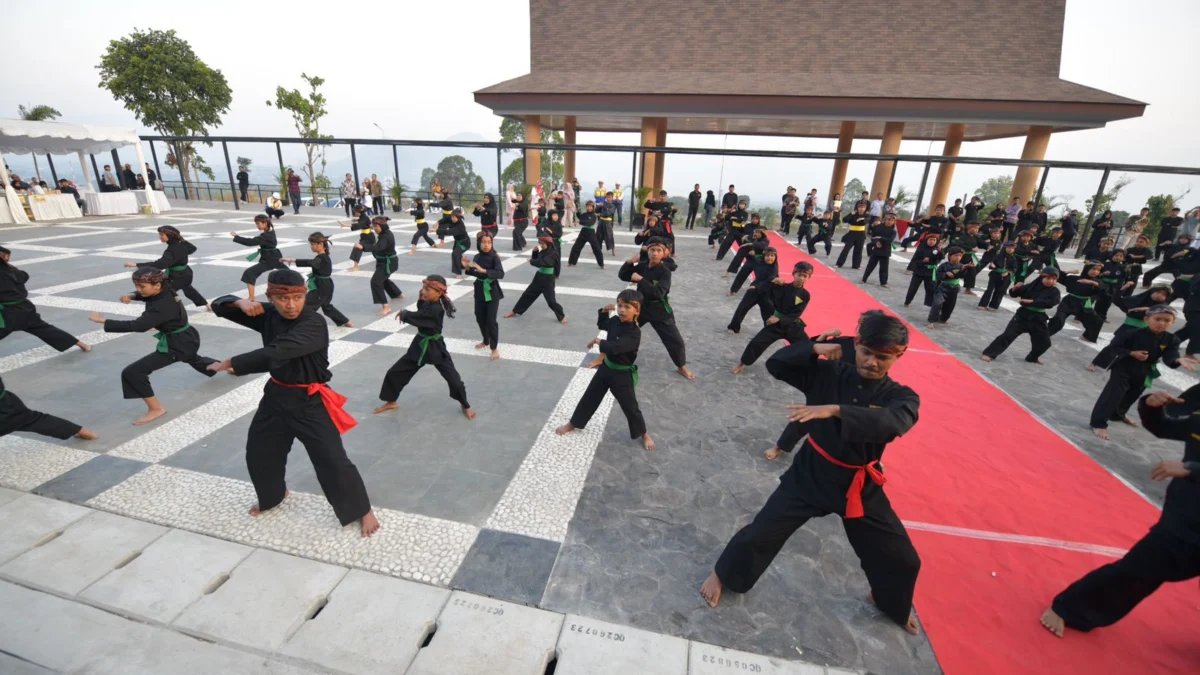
[479, 606]
[732, 664]
[596, 632]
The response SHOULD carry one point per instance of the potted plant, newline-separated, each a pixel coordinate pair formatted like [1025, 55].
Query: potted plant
[397, 193]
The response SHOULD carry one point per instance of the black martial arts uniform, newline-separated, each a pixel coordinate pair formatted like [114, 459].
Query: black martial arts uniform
[758, 294]
[174, 264]
[178, 342]
[488, 294]
[655, 288]
[1003, 267]
[747, 250]
[545, 260]
[1080, 302]
[716, 230]
[804, 231]
[1045, 253]
[1170, 552]
[1025, 254]
[735, 231]
[487, 218]
[917, 230]
[418, 214]
[1168, 229]
[366, 237]
[386, 260]
[872, 414]
[853, 239]
[879, 252]
[320, 288]
[924, 261]
[947, 280]
[14, 416]
[794, 432]
[587, 235]
[520, 222]
[1135, 258]
[1128, 377]
[447, 207]
[268, 255]
[296, 404]
[18, 313]
[1100, 230]
[1112, 278]
[1069, 229]
[1029, 318]
[1191, 314]
[548, 227]
[789, 302]
[996, 221]
[825, 230]
[618, 374]
[427, 347]
[1135, 307]
[462, 242]
[970, 244]
[604, 231]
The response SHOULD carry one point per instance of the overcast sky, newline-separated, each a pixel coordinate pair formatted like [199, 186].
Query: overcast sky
[383, 69]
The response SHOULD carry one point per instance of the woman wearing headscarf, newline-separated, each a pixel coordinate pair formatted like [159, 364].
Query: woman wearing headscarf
[174, 264]
[568, 193]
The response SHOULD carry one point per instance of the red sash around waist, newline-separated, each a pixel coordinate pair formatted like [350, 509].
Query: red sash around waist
[854, 505]
[332, 400]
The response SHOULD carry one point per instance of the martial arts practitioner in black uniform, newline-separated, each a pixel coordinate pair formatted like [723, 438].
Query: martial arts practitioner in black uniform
[18, 313]
[653, 279]
[1025, 253]
[1099, 252]
[766, 269]
[853, 413]
[604, 231]
[996, 221]
[1046, 250]
[320, 280]
[174, 264]
[366, 236]
[752, 246]
[545, 259]
[1101, 229]
[551, 226]
[1114, 282]
[297, 402]
[879, 249]
[1136, 257]
[1136, 355]
[587, 235]
[1080, 302]
[616, 368]
[808, 227]
[717, 228]
[1135, 307]
[938, 222]
[970, 240]
[924, 261]
[486, 212]
[1190, 333]
[735, 229]
[14, 416]
[453, 226]
[178, 341]
[1036, 298]
[1167, 230]
[520, 222]
[447, 207]
[826, 225]
[1170, 552]
[417, 211]
[386, 259]
[1002, 268]
[427, 347]
[267, 248]
[488, 270]
[790, 299]
[947, 280]
[855, 237]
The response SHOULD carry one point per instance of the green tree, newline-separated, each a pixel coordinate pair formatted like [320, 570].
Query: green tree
[850, 194]
[1109, 197]
[456, 174]
[158, 78]
[307, 111]
[1160, 207]
[768, 217]
[38, 113]
[246, 162]
[513, 131]
[995, 190]
[514, 173]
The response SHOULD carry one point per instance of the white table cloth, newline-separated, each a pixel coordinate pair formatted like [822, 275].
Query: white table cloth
[5, 214]
[53, 207]
[157, 200]
[111, 203]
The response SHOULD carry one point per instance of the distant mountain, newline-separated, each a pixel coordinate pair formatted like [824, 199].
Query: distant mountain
[412, 160]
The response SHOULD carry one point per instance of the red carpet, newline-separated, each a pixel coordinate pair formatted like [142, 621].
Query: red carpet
[978, 460]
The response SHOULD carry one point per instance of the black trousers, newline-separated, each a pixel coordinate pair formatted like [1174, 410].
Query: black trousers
[1190, 332]
[620, 383]
[732, 234]
[826, 237]
[715, 234]
[1039, 337]
[284, 416]
[135, 378]
[882, 263]
[181, 282]
[457, 250]
[1165, 268]
[879, 539]
[668, 332]
[916, 282]
[519, 226]
[1072, 306]
[739, 258]
[770, 334]
[254, 271]
[853, 242]
[740, 278]
[994, 293]
[1105, 595]
[1067, 239]
[969, 275]
[1119, 394]
[604, 234]
[422, 233]
[402, 371]
[587, 235]
[751, 298]
[319, 300]
[785, 223]
[804, 233]
[382, 287]
[543, 285]
[910, 235]
[24, 317]
[14, 416]
[348, 203]
[274, 213]
[245, 189]
[485, 316]
[944, 299]
[1164, 239]
[377, 205]
[690, 223]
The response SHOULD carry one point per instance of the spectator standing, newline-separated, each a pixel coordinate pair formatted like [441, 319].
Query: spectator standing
[152, 177]
[693, 206]
[730, 199]
[243, 181]
[877, 205]
[791, 201]
[349, 193]
[710, 203]
[568, 192]
[510, 197]
[376, 195]
[108, 180]
[619, 202]
[293, 186]
[129, 178]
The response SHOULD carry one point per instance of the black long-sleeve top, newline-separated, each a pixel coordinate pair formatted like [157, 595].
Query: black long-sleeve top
[493, 269]
[1192, 302]
[12, 283]
[711, 201]
[176, 254]
[1136, 306]
[267, 243]
[729, 199]
[427, 319]
[1094, 254]
[487, 214]
[969, 243]
[385, 245]
[856, 220]
[654, 287]
[521, 211]
[1159, 347]
[790, 302]
[621, 344]
[882, 237]
[1005, 262]
[1046, 246]
[764, 273]
[1137, 256]
[737, 216]
[948, 271]
[1074, 285]
[550, 227]
[1181, 508]
[1113, 274]
[322, 272]
[586, 218]
[925, 259]
[545, 258]
[1169, 227]
[872, 414]
[996, 217]
[294, 351]
[1025, 252]
[607, 211]
[456, 229]
[417, 212]
[447, 207]
[937, 224]
[165, 314]
[1044, 298]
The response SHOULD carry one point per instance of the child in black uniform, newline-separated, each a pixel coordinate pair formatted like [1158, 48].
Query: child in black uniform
[1135, 308]
[587, 235]
[747, 249]
[545, 259]
[174, 264]
[735, 229]
[454, 227]
[366, 236]
[1081, 290]
[826, 226]
[790, 299]
[320, 280]
[14, 416]
[267, 248]
[1173, 255]
[417, 211]
[653, 279]
[879, 250]
[855, 237]
[970, 240]
[1003, 266]
[520, 221]
[616, 368]
[766, 269]
[18, 313]
[717, 227]
[486, 212]
[552, 227]
[947, 279]
[488, 271]
[1114, 281]
[604, 232]
[384, 251]
[1036, 299]
[924, 261]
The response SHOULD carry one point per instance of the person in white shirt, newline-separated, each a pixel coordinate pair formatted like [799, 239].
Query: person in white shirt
[877, 205]
[108, 180]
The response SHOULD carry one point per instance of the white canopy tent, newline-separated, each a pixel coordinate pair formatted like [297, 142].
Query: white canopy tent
[25, 137]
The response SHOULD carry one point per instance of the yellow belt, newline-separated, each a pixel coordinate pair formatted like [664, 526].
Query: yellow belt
[858, 228]
[446, 213]
[366, 231]
[420, 221]
[607, 219]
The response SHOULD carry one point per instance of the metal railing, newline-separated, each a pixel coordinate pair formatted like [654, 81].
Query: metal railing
[257, 193]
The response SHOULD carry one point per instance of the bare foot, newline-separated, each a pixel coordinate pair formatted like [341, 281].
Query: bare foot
[370, 524]
[969, 292]
[1053, 622]
[390, 405]
[729, 294]
[468, 413]
[987, 358]
[981, 308]
[565, 429]
[1102, 434]
[349, 324]
[726, 276]
[384, 311]
[883, 285]
[563, 321]
[683, 370]
[208, 307]
[737, 370]
[932, 325]
[413, 252]
[86, 434]
[711, 590]
[355, 268]
[912, 627]
[647, 442]
[1130, 422]
[863, 282]
[1091, 367]
[481, 345]
[150, 416]
[495, 355]
[731, 331]
[1039, 362]
[254, 510]
[773, 453]
[84, 346]
[991, 309]
[510, 315]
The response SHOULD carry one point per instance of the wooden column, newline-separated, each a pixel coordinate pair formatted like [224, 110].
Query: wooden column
[890, 145]
[1025, 182]
[649, 139]
[533, 158]
[845, 141]
[660, 161]
[945, 174]
[569, 155]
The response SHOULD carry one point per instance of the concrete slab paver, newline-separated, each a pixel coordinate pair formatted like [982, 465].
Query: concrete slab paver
[590, 647]
[7, 495]
[480, 635]
[29, 519]
[706, 659]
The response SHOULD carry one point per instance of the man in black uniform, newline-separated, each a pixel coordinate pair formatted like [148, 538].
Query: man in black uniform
[1167, 232]
[855, 237]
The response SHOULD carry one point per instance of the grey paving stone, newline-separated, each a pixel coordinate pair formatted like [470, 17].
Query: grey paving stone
[7, 495]
[267, 598]
[10, 665]
[591, 647]
[509, 566]
[171, 574]
[372, 625]
[706, 659]
[480, 635]
[86, 551]
[89, 479]
[30, 519]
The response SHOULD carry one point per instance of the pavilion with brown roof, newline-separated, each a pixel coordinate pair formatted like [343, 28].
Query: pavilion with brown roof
[947, 70]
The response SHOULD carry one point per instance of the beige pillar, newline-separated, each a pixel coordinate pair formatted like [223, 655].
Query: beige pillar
[569, 155]
[533, 158]
[845, 142]
[890, 145]
[649, 139]
[1026, 180]
[945, 174]
[660, 160]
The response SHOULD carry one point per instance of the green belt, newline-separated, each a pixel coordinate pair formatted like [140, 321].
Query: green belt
[558, 243]
[1089, 301]
[951, 282]
[1039, 310]
[387, 261]
[1110, 281]
[777, 315]
[162, 338]
[587, 227]
[425, 340]
[259, 252]
[545, 270]
[312, 281]
[1135, 322]
[666, 302]
[487, 290]
[7, 304]
[176, 269]
[1150, 376]
[630, 368]
[463, 244]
